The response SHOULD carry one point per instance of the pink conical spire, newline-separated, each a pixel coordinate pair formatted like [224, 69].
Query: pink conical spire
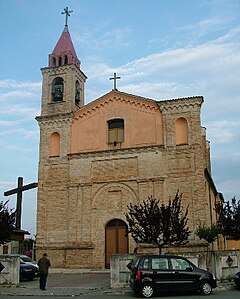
[64, 52]
[64, 44]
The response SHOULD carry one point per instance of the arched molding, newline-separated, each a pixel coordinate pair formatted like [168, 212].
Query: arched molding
[112, 187]
[111, 221]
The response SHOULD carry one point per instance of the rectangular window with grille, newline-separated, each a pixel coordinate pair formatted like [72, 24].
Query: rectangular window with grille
[116, 130]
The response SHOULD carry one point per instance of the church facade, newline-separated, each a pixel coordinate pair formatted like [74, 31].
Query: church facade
[97, 158]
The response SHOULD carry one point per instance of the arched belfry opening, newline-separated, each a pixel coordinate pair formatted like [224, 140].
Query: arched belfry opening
[116, 239]
[57, 89]
[54, 62]
[77, 93]
[65, 59]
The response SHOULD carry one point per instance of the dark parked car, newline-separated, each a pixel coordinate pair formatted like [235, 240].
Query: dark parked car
[151, 274]
[237, 279]
[27, 271]
[28, 267]
[26, 259]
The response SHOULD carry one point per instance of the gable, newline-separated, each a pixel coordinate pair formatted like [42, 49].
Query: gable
[141, 117]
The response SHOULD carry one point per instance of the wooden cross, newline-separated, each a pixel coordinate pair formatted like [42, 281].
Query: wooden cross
[114, 78]
[19, 190]
[67, 12]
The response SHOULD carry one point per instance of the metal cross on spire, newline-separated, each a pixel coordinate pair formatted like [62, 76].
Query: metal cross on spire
[115, 78]
[67, 12]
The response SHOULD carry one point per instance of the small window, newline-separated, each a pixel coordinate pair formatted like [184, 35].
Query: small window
[60, 61]
[116, 131]
[54, 61]
[65, 59]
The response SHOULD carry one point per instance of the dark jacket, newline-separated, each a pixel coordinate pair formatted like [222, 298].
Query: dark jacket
[43, 265]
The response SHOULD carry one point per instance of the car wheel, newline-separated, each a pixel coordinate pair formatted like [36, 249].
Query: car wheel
[147, 291]
[205, 288]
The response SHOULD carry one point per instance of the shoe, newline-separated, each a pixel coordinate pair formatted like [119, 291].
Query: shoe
[43, 289]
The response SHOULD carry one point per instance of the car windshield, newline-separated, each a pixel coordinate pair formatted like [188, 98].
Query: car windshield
[26, 259]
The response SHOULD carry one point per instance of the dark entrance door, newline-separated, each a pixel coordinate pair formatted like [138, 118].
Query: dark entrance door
[116, 239]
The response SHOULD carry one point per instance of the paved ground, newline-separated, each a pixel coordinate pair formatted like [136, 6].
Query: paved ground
[73, 284]
[66, 284]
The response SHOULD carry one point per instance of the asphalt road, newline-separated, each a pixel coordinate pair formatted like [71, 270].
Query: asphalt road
[93, 285]
[227, 294]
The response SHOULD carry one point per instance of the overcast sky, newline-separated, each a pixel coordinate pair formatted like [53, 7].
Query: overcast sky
[161, 49]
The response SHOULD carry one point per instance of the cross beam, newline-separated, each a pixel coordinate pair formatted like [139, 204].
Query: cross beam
[19, 190]
[115, 78]
[67, 12]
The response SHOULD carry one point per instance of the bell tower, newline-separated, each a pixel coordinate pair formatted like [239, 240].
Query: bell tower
[63, 80]
[62, 95]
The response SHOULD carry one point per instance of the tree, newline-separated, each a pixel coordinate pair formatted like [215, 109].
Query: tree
[157, 224]
[7, 222]
[229, 218]
[209, 234]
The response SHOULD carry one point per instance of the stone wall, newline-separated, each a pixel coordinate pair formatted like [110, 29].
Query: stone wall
[92, 183]
[10, 274]
[224, 265]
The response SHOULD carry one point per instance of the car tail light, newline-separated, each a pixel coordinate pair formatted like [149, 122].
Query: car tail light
[138, 274]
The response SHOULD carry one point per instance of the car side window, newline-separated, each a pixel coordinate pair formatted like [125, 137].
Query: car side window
[180, 264]
[145, 264]
[159, 263]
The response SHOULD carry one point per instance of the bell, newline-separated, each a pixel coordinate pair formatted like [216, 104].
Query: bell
[57, 95]
[77, 97]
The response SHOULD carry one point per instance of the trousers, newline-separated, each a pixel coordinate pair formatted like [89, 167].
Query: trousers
[43, 281]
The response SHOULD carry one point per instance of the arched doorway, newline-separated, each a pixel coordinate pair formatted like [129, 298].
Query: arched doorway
[116, 239]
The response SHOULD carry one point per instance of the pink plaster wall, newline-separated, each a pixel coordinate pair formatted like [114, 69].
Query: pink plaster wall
[142, 123]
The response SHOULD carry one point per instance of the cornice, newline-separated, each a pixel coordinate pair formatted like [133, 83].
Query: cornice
[181, 104]
[57, 70]
[116, 96]
[104, 153]
[54, 117]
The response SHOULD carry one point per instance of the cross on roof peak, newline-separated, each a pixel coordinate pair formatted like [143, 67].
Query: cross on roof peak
[67, 12]
[114, 78]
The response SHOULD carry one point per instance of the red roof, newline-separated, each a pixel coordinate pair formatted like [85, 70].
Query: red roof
[65, 45]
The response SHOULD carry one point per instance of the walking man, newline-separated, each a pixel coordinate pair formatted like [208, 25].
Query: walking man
[43, 264]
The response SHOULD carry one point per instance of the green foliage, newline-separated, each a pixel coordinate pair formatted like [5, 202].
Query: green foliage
[7, 222]
[155, 223]
[208, 233]
[229, 218]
